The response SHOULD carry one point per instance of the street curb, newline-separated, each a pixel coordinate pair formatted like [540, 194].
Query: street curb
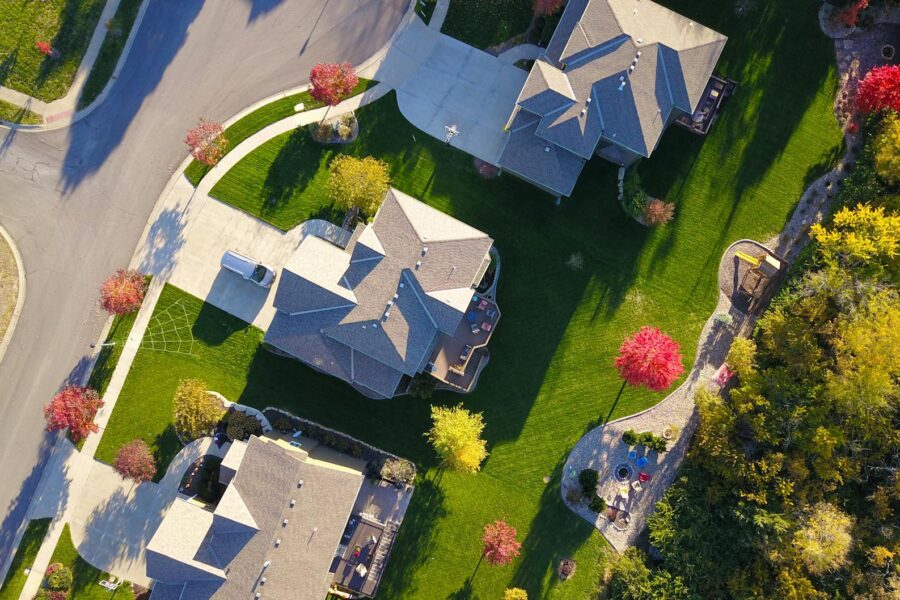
[20, 300]
[80, 114]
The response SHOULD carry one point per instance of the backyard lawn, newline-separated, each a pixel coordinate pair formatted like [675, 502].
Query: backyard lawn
[86, 578]
[24, 558]
[66, 24]
[551, 376]
[485, 23]
[274, 111]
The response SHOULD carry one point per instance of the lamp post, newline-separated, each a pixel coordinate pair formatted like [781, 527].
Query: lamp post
[452, 132]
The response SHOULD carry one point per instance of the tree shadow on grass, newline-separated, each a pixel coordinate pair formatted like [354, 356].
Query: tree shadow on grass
[555, 534]
[72, 38]
[296, 164]
[466, 592]
[414, 543]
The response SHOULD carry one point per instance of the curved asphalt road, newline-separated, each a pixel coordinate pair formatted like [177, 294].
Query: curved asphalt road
[76, 200]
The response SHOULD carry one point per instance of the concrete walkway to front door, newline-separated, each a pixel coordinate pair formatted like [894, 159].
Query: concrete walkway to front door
[443, 82]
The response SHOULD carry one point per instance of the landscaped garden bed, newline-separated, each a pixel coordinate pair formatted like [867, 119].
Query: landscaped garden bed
[66, 25]
[551, 372]
[85, 577]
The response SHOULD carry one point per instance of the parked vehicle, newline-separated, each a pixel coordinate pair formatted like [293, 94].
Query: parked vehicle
[248, 268]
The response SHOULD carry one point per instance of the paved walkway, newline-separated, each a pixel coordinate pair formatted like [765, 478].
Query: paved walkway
[443, 82]
[62, 112]
[68, 471]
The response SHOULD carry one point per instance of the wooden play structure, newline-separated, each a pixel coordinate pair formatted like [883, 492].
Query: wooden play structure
[764, 268]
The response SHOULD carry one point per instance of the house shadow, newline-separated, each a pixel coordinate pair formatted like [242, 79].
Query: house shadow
[213, 325]
[259, 8]
[160, 36]
[46, 502]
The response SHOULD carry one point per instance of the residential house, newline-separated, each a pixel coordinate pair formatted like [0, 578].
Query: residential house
[615, 74]
[398, 300]
[287, 527]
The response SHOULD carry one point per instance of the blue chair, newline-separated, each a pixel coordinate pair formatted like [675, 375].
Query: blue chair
[642, 462]
[632, 455]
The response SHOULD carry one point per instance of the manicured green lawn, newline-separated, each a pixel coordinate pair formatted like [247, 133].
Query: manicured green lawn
[485, 23]
[24, 558]
[118, 30]
[274, 111]
[551, 376]
[67, 24]
[86, 578]
[16, 114]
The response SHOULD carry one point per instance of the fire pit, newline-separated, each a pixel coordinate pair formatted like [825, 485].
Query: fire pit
[623, 472]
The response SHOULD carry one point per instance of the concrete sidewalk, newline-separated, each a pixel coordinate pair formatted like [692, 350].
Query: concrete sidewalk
[68, 471]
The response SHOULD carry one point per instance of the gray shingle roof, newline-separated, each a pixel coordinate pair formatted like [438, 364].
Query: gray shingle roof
[628, 64]
[409, 274]
[266, 481]
[526, 154]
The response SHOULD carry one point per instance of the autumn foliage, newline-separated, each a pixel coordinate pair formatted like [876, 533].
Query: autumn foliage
[135, 461]
[332, 82]
[849, 15]
[547, 7]
[657, 212]
[456, 437]
[649, 358]
[123, 292]
[206, 142]
[44, 48]
[73, 408]
[880, 90]
[500, 544]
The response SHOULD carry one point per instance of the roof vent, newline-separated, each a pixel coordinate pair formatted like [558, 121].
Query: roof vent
[266, 564]
[563, 66]
[691, 24]
[364, 326]
[262, 580]
[402, 285]
[640, 41]
[293, 503]
[631, 69]
[396, 296]
[277, 542]
[588, 101]
[583, 111]
[424, 250]
[390, 303]
[300, 484]
[284, 523]
[258, 595]
[418, 264]
[621, 86]
[638, 55]
[546, 148]
[387, 314]
[374, 325]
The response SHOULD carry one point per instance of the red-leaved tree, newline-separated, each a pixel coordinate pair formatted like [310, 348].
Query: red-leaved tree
[332, 82]
[206, 141]
[649, 358]
[547, 7]
[879, 89]
[44, 48]
[135, 461]
[73, 408]
[123, 292]
[500, 544]
[849, 15]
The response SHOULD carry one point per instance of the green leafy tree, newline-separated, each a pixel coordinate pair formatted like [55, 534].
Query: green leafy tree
[197, 411]
[456, 436]
[358, 182]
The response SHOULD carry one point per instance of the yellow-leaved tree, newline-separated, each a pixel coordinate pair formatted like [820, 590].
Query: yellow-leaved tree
[456, 436]
[887, 149]
[196, 411]
[359, 182]
[515, 594]
[824, 540]
[858, 236]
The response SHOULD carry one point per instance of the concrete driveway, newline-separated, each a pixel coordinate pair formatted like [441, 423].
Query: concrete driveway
[441, 81]
[114, 520]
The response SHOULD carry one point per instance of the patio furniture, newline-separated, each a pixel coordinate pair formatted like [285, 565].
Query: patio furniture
[482, 305]
[644, 477]
[632, 455]
[491, 313]
[636, 486]
[487, 326]
[471, 317]
[623, 492]
[641, 462]
[474, 328]
[475, 298]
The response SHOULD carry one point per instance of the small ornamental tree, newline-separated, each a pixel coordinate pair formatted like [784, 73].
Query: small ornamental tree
[880, 90]
[359, 182]
[657, 212]
[500, 544]
[206, 142]
[650, 359]
[456, 437]
[44, 48]
[197, 411]
[547, 7]
[73, 408]
[123, 292]
[135, 461]
[515, 594]
[332, 82]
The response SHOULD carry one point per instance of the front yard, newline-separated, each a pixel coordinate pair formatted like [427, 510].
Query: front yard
[66, 24]
[575, 280]
[86, 578]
